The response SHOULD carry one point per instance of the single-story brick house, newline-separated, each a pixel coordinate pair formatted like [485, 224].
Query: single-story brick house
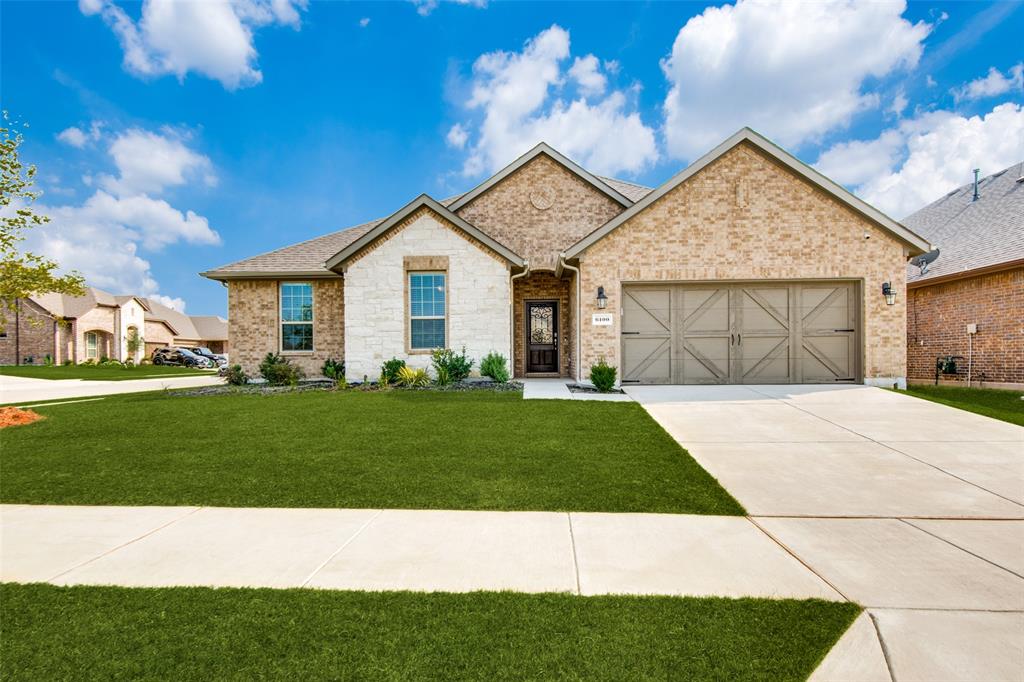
[969, 302]
[746, 267]
[97, 325]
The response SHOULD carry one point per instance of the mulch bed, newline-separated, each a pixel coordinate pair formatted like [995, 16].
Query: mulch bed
[14, 416]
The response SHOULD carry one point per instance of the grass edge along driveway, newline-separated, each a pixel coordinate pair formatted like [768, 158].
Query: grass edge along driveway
[350, 449]
[105, 633]
[997, 403]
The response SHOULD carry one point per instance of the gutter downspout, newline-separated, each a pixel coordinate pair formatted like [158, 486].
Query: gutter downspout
[512, 314]
[577, 360]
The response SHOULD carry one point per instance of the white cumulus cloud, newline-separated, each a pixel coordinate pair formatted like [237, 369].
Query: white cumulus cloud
[791, 70]
[522, 98]
[425, 7]
[213, 37]
[80, 137]
[149, 162]
[916, 162]
[105, 237]
[175, 303]
[992, 85]
[457, 136]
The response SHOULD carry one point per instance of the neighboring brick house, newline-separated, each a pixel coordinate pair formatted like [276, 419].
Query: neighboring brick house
[746, 267]
[98, 325]
[977, 279]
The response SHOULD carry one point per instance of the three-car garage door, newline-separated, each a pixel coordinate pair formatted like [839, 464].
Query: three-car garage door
[752, 333]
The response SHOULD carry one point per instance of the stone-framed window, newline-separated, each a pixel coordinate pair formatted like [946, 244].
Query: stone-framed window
[296, 317]
[91, 344]
[428, 310]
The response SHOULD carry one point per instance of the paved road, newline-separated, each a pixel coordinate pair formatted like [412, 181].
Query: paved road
[910, 508]
[23, 390]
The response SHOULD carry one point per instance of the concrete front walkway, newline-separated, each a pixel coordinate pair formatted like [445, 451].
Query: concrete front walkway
[910, 508]
[24, 390]
[558, 389]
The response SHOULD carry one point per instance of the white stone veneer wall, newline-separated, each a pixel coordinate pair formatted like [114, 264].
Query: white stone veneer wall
[478, 295]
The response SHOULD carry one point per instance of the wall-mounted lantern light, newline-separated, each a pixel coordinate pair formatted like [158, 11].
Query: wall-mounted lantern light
[602, 300]
[889, 293]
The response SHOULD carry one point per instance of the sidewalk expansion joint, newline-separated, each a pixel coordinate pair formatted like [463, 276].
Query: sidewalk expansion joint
[795, 556]
[343, 546]
[962, 549]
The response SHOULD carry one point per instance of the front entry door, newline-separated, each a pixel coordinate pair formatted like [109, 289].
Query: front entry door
[542, 336]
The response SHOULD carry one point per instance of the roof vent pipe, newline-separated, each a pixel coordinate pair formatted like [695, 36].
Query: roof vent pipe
[976, 171]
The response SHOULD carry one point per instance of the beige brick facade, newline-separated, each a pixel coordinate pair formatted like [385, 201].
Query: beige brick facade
[744, 217]
[544, 286]
[539, 210]
[254, 329]
[937, 319]
[29, 332]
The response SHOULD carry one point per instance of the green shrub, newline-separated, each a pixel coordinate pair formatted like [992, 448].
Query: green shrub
[103, 360]
[333, 369]
[68, 362]
[389, 371]
[602, 375]
[413, 378]
[90, 362]
[129, 363]
[236, 376]
[495, 366]
[278, 371]
[449, 367]
[145, 361]
[48, 360]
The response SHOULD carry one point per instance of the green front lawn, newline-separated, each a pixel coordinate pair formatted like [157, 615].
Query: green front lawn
[98, 373]
[104, 633]
[991, 402]
[396, 449]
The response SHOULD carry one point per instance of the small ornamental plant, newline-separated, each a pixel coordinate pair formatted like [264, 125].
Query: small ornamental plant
[236, 376]
[278, 371]
[602, 375]
[413, 378]
[333, 369]
[495, 366]
[389, 371]
[449, 367]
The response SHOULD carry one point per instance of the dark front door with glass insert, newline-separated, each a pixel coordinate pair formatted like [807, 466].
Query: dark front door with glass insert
[542, 336]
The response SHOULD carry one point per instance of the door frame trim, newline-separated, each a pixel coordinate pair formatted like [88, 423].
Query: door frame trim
[858, 313]
[526, 337]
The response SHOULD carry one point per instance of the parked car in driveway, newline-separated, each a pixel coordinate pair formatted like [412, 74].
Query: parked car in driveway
[203, 351]
[180, 356]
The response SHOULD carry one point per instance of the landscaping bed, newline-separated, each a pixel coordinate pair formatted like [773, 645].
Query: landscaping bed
[1007, 406]
[409, 449]
[103, 633]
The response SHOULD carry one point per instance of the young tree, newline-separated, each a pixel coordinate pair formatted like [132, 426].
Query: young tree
[22, 273]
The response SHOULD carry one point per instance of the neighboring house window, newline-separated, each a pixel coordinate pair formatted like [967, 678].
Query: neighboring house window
[296, 316]
[427, 310]
[90, 344]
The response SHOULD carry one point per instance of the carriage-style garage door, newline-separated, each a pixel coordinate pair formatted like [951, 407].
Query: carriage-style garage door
[753, 333]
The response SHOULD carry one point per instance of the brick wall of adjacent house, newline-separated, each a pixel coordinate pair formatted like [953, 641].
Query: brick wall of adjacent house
[376, 295]
[253, 329]
[937, 319]
[513, 211]
[746, 218]
[543, 286]
[27, 334]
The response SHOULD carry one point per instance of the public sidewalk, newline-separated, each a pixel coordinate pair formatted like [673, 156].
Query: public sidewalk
[16, 390]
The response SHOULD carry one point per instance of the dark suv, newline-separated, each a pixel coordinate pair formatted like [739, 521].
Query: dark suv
[179, 356]
[203, 351]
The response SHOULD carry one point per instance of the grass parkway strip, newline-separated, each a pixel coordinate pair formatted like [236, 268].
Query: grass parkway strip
[101, 633]
[398, 449]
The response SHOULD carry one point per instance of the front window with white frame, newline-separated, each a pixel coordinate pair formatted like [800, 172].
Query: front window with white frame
[427, 310]
[91, 342]
[296, 316]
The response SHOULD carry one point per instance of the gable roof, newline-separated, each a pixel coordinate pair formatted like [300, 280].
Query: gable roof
[973, 235]
[64, 305]
[197, 327]
[916, 243]
[401, 214]
[543, 148]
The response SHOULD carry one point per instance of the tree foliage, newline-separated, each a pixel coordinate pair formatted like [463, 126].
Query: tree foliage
[23, 273]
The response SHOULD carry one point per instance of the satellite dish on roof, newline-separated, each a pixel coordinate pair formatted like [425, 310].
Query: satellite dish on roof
[924, 260]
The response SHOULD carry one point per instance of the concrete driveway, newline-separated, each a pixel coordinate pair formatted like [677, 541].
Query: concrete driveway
[910, 508]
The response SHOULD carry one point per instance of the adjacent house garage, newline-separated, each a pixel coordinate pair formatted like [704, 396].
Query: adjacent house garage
[749, 333]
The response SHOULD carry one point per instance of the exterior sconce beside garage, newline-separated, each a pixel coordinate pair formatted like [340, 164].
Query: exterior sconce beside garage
[889, 293]
[602, 300]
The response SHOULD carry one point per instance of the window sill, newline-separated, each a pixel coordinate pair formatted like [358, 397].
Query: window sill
[298, 353]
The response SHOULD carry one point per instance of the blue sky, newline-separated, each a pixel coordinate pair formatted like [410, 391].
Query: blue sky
[171, 138]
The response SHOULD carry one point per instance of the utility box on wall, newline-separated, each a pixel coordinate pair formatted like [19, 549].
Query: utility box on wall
[972, 328]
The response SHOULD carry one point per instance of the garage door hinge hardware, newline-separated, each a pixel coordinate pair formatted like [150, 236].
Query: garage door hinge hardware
[844, 330]
[624, 333]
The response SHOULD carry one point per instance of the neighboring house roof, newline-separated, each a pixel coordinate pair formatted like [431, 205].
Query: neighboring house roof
[598, 183]
[630, 190]
[916, 243]
[192, 327]
[63, 305]
[973, 235]
[422, 201]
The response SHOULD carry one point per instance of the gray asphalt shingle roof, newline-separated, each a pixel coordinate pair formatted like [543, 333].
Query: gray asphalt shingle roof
[973, 234]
